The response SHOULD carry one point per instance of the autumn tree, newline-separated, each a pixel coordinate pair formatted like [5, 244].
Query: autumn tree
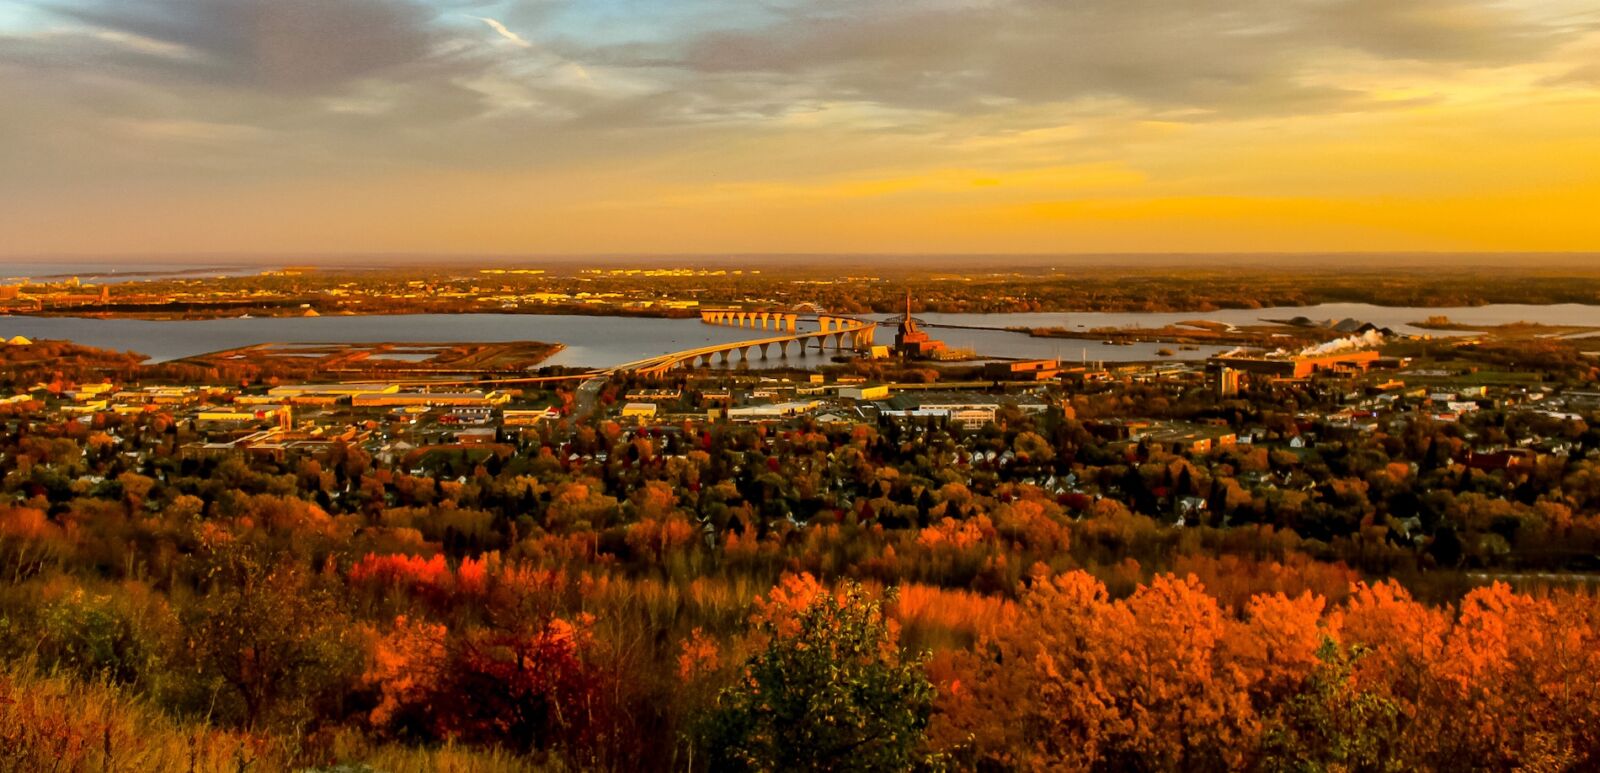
[527, 687]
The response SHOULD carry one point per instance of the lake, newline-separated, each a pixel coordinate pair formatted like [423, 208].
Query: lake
[1397, 318]
[600, 341]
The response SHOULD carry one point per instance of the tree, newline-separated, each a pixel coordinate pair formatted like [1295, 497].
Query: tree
[1031, 447]
[1332, 724]
[270, 638]
[527, 687]
[830, 690]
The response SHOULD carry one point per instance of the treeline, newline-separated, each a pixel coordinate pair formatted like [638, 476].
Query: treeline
[1080, 289]
[61, 363]
[259, 649]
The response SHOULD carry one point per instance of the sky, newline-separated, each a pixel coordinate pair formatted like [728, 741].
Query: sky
[475, 127]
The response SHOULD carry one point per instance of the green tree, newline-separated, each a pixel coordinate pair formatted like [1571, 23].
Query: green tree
[832, 690]
[1332, 725]
[268, 642]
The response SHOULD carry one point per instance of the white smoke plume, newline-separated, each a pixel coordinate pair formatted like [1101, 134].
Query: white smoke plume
[1367, 340]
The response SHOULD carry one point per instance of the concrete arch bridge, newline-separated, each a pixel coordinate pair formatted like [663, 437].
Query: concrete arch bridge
[841, 331]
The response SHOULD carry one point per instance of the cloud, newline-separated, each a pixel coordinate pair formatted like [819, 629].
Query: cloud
[1583, 75]
[321, 87]
[500, 29]
[700, 61]
[289, 46]
[1219, 56]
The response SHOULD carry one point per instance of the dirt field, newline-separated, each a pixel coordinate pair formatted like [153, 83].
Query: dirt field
[384, 359]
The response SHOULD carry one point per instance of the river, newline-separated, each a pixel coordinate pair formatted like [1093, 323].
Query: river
[600, 341]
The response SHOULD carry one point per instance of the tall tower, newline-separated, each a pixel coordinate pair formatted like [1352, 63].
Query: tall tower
[912, 342]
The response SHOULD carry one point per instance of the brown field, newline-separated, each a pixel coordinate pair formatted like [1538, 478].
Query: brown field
[376, 359]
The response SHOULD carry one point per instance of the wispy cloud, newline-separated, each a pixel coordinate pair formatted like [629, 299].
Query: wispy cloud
[504, 32]
[849, 112]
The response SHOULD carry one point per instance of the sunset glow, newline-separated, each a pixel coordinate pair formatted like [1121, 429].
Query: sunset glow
[469, 127]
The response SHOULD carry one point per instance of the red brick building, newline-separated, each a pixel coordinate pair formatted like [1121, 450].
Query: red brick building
[911, 342]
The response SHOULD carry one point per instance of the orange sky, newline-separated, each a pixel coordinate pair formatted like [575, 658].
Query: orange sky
[939, 126]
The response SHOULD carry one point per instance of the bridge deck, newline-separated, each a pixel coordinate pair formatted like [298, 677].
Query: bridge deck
[667, 360]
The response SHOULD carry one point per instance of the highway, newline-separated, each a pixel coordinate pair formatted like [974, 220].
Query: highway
[587, 395]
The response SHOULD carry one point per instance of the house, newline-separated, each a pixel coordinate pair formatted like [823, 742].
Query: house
[477, 436]
[1506, 459]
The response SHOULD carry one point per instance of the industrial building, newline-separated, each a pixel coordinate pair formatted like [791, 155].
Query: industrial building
[639, 411]
[911, 342]
[1226, 371]
[432, 399]
[967, 410]
[335, 390]
[1022, 370]
[1299, 366]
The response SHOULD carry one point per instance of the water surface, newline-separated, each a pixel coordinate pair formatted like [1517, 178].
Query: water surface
[601, 341]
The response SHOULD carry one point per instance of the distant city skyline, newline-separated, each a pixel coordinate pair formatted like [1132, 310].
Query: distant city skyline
[724, 127]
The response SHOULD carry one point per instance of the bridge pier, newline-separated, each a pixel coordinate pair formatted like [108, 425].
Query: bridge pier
[839, 331]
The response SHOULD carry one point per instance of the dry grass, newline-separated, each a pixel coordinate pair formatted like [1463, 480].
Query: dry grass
[53, 723]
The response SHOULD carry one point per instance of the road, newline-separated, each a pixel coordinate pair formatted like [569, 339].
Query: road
[584, 399]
